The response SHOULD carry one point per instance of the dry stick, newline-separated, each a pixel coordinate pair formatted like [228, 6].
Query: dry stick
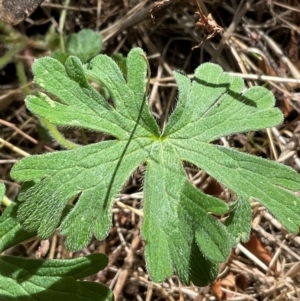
[280, 54]
[68, 7]
[278, 225]
[134, 210]
[33, 245]
[166, 295]
[293, 271]
[123, 274]
[61, 24]
[99, 6]
[276, 241]
[149, 292]
[272, 144]
[267, 78]
[161, 4]
[242, 59]
[53, 246]
[10, 96]
[16, 129]
[252, 257]
[236, 19]
[206, 22]
[274, 260]
[134, 16]
[13, 148]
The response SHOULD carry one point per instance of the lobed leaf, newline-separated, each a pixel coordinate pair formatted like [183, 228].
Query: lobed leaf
[11, 231]
[45, 280]
[248, 176]
[84, 173]
[213, 106]
[30, 279]
[178, 228]
[79, 105]
[211, 235]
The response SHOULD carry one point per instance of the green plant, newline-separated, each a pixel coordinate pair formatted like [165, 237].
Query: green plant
[179, 229]
[34, 279]
[85, 44]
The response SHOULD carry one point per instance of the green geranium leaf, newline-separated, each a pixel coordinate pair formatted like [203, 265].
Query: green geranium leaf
[11, 232]
[178, 227]
[85, 44]
[45, 280]
[30, 280]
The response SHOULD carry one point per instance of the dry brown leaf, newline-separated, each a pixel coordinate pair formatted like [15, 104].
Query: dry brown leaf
[241, 281]
[217, 290]
[255, 246]
[213, 188]
[229, 281]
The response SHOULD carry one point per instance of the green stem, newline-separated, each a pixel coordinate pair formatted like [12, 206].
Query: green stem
[61, 25]
[57, 135]
[9, 55]
[22, 76]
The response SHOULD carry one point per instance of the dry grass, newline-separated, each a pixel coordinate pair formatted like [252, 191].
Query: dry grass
[260, 43]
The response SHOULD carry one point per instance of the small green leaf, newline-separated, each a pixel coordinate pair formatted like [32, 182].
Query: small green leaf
[85, 44]
[11, 232]
[60, 56]
[178, 227]
[45, 280]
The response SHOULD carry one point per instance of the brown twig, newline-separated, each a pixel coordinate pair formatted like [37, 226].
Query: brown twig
[127, 264]
[207, 23]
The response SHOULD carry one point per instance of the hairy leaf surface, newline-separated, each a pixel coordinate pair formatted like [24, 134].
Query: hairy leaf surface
[35, 279]
[30, 280]
[179, 229]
